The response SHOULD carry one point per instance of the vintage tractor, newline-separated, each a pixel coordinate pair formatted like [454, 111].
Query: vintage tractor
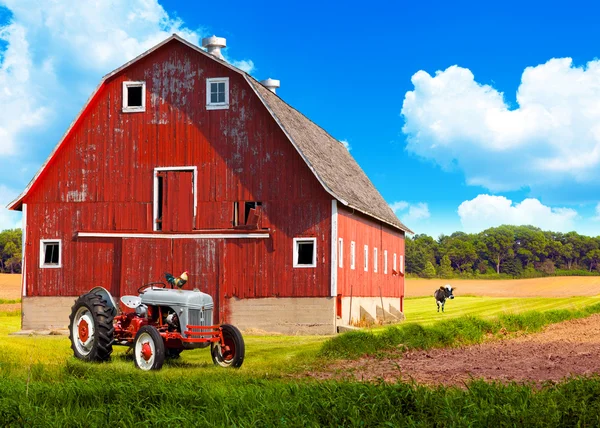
[159, 324]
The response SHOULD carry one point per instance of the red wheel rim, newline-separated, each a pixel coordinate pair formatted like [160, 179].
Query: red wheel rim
[146, 351]
[83, 330]
[228, 348]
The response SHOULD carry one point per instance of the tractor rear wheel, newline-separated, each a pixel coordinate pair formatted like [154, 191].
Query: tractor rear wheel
[91, 328]
[231, 352]
[148, 349]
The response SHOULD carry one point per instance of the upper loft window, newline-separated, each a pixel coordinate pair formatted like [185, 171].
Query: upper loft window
[50, 253]
[134, 96]
[305, 252]
[217, 93]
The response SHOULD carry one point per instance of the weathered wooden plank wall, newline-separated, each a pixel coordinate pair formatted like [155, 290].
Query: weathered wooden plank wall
[353, 226]
[102, 180]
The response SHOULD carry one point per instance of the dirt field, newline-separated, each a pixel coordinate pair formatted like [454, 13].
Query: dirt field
[561, 350]
[10, 289]
[559, 286]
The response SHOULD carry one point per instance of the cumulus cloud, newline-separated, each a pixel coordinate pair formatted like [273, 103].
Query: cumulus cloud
[346, 144]
[551, 137]
[410, 213]
[489, 211]
[246, 65]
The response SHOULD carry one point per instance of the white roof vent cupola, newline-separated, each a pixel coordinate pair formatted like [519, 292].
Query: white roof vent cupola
[214, 45]
[271, 84]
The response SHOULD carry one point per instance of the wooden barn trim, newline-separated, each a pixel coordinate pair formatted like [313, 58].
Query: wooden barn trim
[174, 235]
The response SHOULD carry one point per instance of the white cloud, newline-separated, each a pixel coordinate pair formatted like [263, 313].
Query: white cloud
[489, 211]
[410, 213]
[346, 144]
[8, 219]
[246, 65]
[552, 137]
[597, 216]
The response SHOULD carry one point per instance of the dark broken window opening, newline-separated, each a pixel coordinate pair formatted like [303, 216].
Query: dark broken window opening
[159, 204]
[305, 253]
[134, 96]
[250, 206]
[51, 253]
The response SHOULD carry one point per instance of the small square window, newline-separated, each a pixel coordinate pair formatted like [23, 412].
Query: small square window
[217, 93]
[134, 97]
[50, 253]
[305, 252]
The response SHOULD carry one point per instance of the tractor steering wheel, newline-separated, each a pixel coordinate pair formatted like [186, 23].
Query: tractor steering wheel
[143, 287]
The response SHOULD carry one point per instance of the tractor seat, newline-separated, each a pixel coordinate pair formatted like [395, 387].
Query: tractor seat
[131, 301]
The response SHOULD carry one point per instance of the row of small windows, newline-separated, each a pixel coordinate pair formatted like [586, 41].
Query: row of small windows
[366, 258]
[217, 95]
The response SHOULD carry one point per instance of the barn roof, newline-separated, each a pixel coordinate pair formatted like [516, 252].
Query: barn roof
[328, 159]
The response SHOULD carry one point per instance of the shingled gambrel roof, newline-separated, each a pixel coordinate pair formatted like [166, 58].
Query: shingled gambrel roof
[335, 167]
[327, 158]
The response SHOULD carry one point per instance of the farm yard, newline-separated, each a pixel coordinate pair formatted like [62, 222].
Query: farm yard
[421, 372]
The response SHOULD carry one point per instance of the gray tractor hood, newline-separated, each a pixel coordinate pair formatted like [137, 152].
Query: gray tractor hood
[177, 298]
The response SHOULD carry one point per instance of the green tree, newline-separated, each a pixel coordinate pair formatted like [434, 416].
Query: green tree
[499, 242]
[445, 270]
[429, 271]
[513, 267]
[461, 253]
[593, 257]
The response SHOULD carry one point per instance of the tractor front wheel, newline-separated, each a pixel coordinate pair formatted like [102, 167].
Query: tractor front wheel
[149, 349]
[91, 328]
[230, 352]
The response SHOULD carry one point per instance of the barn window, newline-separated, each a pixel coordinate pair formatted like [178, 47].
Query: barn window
[341, 253]
[375, 264]
[134, 97]
[395, 264]
[385, 261]
[50, 253]
[217, 93]
[305, 252]
[366, 258]
[401, 264]
[352, 255]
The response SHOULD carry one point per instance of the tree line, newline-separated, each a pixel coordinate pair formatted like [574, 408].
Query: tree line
[515, 251]
[11, 251]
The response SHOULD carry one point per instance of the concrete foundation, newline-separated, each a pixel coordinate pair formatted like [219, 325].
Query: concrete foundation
[368, 310]
[43, 313]
[287, 315]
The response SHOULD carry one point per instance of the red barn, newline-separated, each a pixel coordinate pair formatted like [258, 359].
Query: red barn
[180, 161]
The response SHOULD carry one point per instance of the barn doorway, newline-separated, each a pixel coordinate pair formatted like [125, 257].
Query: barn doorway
[175, 199]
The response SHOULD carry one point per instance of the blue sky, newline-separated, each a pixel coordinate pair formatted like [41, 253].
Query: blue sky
[464, 115]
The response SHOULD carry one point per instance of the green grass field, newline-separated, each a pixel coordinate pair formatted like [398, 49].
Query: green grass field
[42, 384]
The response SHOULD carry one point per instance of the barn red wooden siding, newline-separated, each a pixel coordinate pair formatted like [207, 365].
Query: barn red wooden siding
[353, 226]
[103, 180]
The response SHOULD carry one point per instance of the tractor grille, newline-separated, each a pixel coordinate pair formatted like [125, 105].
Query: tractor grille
[195, 317]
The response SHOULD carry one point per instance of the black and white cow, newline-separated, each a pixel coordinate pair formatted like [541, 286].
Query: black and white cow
[441, 294]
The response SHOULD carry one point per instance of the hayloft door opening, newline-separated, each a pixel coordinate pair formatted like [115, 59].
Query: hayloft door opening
[174, 206]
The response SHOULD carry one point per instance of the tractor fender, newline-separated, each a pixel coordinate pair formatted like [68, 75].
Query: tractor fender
[105, 294]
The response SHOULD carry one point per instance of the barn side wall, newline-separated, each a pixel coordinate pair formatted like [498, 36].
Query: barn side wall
[102, 180]
[367, 287]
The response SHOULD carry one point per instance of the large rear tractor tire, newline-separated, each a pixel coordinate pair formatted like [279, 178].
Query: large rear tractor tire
[232, 351]
[91, 328]
[148, 349]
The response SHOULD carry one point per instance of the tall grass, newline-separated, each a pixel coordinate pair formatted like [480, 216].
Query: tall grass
[453, 332]
[102, 397]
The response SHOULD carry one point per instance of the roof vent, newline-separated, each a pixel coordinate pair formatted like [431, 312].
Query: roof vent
[271, 84]
[214, 45]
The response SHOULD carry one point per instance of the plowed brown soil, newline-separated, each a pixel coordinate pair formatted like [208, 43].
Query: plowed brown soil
[556, 286]
[562, 350]
[10, 286]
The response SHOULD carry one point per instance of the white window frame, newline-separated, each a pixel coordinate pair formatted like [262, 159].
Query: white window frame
[341, 252]
[194, 169]
[43, 243]
[352, 255]
[385, 264]
[297, 241]
[395, 264]
[375, 261]
[217, 106]
[401, 264]
[134, 109]
[366, 258]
